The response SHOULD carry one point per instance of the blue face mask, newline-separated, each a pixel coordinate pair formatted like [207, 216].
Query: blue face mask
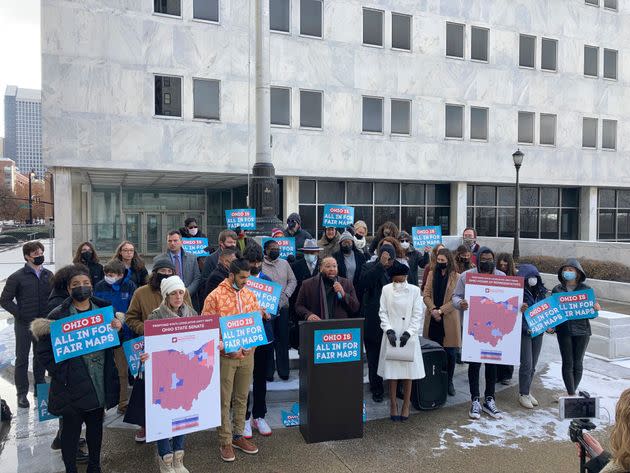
[569, 275]
[236, 288]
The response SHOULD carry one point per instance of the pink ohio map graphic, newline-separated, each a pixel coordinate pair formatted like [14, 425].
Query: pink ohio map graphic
[490, 321]
[178, 377]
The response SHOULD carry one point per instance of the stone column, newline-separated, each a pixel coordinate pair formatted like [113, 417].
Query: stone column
[588, 213]
[63, 215]
[291, 196]
[459, 202]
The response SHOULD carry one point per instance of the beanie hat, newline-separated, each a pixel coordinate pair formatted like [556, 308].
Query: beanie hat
[296, 217]
[346, 236]
[398, 269]
[163, 263]
[360, 223]
[171, 284]
[277, 232]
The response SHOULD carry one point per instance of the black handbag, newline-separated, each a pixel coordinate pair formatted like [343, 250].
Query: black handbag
[135, 409]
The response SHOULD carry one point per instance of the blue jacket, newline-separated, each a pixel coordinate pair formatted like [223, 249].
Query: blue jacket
[531, 295]
[119, 296]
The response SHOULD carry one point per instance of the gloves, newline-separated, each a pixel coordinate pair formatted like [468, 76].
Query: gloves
[404, 338]
[391, 336]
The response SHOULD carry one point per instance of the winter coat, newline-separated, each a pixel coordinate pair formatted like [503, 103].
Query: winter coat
[279, 271]
[359, 261]
[450, 315]
[216, 277]
[138, 277]
[144, 301]
[96, 271]
[165, 312]
[373, 278]
[71, 387]
[302, 272]
[416, 260]
[604, 463]
[329, 247]
[210, 264]
[118, 295]
[312, 300]
[401, 311]
[300, 237]
[191, 274]
[533, 295]
[25, 296]
[225, 301]
[185, 234]
[574, 328]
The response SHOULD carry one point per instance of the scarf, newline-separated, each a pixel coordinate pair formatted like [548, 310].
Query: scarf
[439, 287]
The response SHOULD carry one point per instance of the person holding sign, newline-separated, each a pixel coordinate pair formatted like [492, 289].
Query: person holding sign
[534, 292]
[573, 335]
[233, 298]
[401, 318]
[83, 387]
[171, 450]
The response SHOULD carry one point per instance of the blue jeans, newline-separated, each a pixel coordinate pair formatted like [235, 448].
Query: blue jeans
[166, 446]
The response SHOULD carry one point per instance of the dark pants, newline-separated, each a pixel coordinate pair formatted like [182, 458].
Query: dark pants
[530, 351]
[572, 351]
[473, 379]
[504, 372]
[373, 352]
[280, 345]
[261, 361]
[23, 342]
[72, 423]
[451, 358]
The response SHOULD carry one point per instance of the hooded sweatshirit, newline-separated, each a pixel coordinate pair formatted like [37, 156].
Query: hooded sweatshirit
[531, 295]
[574, 328]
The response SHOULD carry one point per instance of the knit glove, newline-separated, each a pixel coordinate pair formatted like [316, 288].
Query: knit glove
[404, 338]
[391, 336]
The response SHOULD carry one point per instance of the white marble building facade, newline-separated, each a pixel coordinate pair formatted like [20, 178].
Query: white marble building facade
[100, 129]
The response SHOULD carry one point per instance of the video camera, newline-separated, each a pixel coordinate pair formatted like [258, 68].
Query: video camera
[580, 410]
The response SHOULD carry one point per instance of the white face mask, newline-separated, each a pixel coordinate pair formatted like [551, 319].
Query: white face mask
[310, 258]
[400, 286]
[109, 280]
[405, 245]
[532, 281]
[193, 231]
[360, 244]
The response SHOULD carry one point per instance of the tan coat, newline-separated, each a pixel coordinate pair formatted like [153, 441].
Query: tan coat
[144, 301]
[452, 322]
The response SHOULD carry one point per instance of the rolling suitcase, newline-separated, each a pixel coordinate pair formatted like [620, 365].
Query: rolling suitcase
[431, 391]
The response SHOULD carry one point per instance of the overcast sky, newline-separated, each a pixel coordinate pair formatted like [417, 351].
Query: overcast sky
[20, 47]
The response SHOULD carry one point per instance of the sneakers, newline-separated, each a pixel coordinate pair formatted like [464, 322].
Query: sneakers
[227, 453]
[178, 462]
[490, 408]
[245, 446]
[475, 410]
[533, 400]
[525, 401]
[262, 427]
[247, 431]
[141, 435]
[166, 463]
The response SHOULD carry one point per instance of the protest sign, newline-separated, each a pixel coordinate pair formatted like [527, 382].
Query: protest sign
[244, 218]
[242, 331]
[83, 333]
[337, 346]
[543, 315]
[577, 305]
[133, 349]
[195, 246]
[492, 323]
[426, 236]
[267, 292]
[286, 244]
[338, 216]
[42, 402]
[182, 378]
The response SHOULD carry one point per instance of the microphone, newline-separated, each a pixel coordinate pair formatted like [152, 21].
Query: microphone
[339, 296]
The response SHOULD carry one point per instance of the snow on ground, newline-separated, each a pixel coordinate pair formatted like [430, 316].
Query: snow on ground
[11, 260]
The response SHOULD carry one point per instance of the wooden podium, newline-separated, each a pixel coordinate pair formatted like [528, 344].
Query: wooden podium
[331, 380]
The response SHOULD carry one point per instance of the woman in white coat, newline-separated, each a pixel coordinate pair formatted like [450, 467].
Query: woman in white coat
[401, 313]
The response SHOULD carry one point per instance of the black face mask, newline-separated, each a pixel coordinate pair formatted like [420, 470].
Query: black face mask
[38, 260]
[441, 266]
[81, 293]
[273, 254]
[254, 270]
[358, 237]
[86, 255]
[292, 225]
[346, 249]
[159, 278]
[486, 266]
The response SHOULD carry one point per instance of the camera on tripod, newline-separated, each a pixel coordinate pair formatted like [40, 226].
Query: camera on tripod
[580, 410]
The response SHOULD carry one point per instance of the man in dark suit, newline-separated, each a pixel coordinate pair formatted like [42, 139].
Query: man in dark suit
[326, 296]
[185, 264]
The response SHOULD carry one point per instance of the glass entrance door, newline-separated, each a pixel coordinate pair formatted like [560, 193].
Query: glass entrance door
[132, 229]
[154, 233]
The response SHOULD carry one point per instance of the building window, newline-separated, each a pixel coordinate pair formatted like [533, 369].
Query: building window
[167, 7]
[372, 27]
[401, 31]
[610, 4]
[455, 40]
[206, 98]
[206, 10]
[609, 134]
[454, 127]
[595, 3]
[589, 133]
[613, 215]
[279, 15]
[311, 18]
[406, 204]
[591, 54]
[310, 109]
[372, 115]
[610, 64]
[280, 106]
[479, 43]
[478, 123]
[526, 127]
[527, 51]
[546, 212]
[401, 117]
[168, 96]
[549, 55]
[547, 129]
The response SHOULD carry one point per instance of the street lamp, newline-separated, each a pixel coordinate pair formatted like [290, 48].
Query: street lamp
[31, 176]
[518, 160]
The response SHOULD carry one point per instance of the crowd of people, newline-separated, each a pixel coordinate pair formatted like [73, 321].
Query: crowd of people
[338, 276]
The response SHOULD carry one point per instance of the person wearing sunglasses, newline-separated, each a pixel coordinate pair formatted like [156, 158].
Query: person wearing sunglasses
[191, 229]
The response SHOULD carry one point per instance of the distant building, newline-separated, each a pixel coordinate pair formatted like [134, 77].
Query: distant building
[1, 146]
[23, 128]
[8, 173]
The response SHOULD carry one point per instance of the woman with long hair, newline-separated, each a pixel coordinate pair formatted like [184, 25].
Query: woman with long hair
[86, 254]
[388, 229]
[136, 270]
[463, 259]
[431, 266]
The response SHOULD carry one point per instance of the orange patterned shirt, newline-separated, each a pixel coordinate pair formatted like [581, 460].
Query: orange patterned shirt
[225, 300]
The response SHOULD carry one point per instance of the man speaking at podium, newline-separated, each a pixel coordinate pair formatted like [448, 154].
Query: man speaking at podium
[326, 295]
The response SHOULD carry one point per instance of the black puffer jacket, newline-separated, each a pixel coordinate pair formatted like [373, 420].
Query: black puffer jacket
[573, 328]
[25, 296]
[71, 388]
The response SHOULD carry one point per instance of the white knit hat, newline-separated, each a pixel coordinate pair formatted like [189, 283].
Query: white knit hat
[170, 284]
